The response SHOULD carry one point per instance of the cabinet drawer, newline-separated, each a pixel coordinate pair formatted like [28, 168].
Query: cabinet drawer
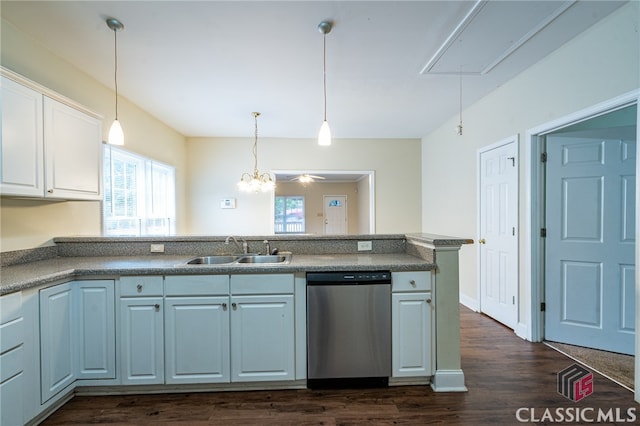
[196, 285]
[11, 335]
[141, 286]
[262, 284]
[11, 363]
[411, 281]
[10, 307]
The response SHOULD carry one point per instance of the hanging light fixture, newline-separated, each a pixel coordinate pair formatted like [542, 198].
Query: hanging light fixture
[256, 182]
[116, 135]
[459, 126]
[324, 137]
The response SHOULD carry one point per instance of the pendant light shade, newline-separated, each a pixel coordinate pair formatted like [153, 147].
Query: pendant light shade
[324, 137]
[116, 135]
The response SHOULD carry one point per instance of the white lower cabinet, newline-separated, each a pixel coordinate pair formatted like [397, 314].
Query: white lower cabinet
[77, 334]
[96, 329]
[11, 359]
[262, 343]
[207, 329]
[57, 340]
[262, 327]
[412, 324]
[141, 339]
[197, 339]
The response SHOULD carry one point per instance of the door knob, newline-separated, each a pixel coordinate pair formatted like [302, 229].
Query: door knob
[482, 241]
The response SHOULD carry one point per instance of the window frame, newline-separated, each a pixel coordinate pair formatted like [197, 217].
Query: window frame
[153, 204]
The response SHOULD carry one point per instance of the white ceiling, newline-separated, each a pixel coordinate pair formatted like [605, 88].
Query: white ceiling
[393, 67]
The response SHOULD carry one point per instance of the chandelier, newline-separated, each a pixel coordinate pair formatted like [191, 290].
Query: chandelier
[256, 182]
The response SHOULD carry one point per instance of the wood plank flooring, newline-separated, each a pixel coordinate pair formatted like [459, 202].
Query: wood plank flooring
[503, 374]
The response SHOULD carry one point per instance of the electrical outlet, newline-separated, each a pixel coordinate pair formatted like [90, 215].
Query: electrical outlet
[364, 246]
[157, 248]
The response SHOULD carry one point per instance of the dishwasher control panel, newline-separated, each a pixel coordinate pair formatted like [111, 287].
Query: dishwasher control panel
[357, 277]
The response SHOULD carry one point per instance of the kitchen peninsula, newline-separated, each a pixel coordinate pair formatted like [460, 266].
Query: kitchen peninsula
[105, 315]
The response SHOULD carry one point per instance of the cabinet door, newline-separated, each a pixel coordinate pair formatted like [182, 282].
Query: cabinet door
[72, 152]
[262, 338]
[58, 360]
[96, 329]
[141, 340]
[411, 334]
[11, 359]
[21, 145]
[197, 339]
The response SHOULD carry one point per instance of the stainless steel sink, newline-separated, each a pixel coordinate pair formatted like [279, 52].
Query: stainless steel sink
[212, 260]
[241, 259]
[264, 258]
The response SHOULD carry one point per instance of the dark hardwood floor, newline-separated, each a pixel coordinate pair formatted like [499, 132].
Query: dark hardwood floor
[503, 374]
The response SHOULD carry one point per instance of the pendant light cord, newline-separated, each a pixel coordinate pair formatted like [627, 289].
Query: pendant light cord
[460, 95]
[115, 71]
[255, 143]
[324, 73]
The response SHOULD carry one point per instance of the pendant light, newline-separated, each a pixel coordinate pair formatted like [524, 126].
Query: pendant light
[324, 137]
[116, 135]
[256, 182]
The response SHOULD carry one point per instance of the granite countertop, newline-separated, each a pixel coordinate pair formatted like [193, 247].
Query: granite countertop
[33, 274]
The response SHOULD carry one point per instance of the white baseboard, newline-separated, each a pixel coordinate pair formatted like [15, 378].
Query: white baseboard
[470, 303]
[448, 381]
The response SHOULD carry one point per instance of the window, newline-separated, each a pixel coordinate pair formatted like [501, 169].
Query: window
[289, 215]
[139, 195]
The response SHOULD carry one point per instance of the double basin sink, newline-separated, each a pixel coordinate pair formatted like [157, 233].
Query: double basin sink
[241, 259]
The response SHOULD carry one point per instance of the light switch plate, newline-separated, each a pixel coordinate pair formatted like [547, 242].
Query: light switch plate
[364, 246]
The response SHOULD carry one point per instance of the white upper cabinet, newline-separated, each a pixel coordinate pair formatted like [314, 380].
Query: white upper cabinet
[72, 152]
[50, 146]
[22, 167]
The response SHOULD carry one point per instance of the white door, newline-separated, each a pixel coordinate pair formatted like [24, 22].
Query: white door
[590, 242]
[335, 214]
[498, 232]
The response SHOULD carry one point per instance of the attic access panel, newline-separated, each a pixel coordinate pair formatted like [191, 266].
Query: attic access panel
[490, 32]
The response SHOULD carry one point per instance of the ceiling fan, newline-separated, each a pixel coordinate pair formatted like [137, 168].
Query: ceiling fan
[307, 178]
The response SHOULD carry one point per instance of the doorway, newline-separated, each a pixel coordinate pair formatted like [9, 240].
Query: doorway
[590, 234]
[498, 230]
[578, 288]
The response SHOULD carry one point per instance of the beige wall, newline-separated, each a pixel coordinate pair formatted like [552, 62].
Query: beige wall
[215, 166]
[597, 65]
[33, 223]
[313, 196]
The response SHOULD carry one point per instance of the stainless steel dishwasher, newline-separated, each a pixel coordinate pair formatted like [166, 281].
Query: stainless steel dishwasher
[348, 329]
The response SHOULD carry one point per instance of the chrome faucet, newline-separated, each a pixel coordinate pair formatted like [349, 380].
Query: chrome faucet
[268, 246]
[244, 247]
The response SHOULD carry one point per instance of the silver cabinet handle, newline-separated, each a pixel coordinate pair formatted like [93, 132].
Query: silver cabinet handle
[224, 306]
[234, 306]
[157, 307]
[413, 283]
[50, 191]
[139, 287]
[429, 300]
